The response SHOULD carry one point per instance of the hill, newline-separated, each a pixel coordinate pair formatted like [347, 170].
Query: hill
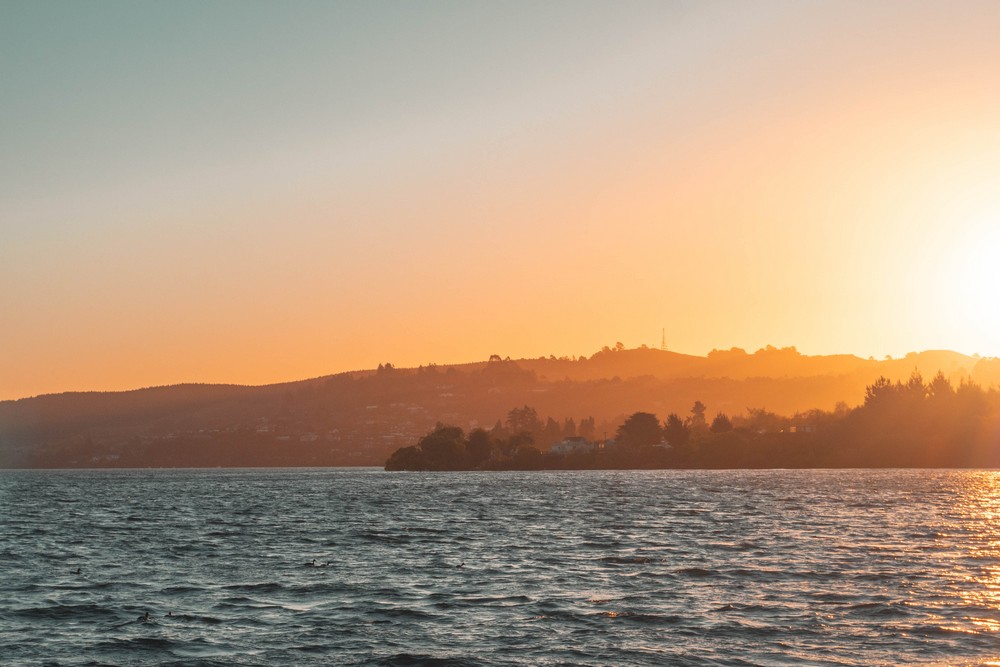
[359, 418]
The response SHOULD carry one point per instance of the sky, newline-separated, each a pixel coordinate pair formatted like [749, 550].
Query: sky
[253, 192]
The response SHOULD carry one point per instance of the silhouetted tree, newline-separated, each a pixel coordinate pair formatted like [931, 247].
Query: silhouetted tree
[524, 420]
[760, 420]
[721, 424]
[498, 432]
[675, 431]
[478, 447]
[940, 388]
[972, 400]
[914, 392]
[515, 442]
[444, 448]
[407, 458]
[552, 432]
[879, 393]
[641, 429]
[527, 457]
[697, 418]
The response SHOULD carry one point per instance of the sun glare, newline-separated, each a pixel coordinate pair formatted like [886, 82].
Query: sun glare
[978, 271]
[968, 282]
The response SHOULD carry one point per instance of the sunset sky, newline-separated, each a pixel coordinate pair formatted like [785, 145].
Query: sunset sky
[253, 192]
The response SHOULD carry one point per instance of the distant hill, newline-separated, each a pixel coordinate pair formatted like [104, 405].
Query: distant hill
[359, 418]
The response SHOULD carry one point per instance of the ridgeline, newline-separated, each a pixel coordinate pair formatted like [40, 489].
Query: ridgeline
[361, 418]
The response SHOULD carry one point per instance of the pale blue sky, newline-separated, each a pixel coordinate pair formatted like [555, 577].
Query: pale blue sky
[97, 91]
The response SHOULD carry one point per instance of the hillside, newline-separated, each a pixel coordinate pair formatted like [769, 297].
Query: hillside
[359, 418]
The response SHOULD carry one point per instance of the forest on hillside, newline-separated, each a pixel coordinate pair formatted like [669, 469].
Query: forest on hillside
[900, 424]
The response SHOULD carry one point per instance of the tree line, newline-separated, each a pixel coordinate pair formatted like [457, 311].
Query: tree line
[512, 444]
[899, 424]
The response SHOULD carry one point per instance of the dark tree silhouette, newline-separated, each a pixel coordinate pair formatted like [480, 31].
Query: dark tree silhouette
[524, 420]
[640, 430]
[879, 393]
[516, 442]
[721, 424]
[697, 418]
[759, 420]
[479, 447]
[407, 458]
[498, 432]
[675, 431]
[444, 448]
[552, 432]
[940, 388]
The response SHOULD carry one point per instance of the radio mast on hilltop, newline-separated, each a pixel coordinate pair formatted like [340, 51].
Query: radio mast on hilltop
[663, 341]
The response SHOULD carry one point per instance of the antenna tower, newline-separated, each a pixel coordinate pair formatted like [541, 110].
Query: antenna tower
[663, 341]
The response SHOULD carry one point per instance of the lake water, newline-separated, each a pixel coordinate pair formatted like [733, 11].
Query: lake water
[551, 568]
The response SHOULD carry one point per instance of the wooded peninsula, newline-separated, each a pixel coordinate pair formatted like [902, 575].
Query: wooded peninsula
[909, 424]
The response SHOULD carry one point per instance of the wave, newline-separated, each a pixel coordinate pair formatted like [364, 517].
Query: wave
[419, 660]
[629, 560]
[59, 612]
[263, 587]
[560, 573]
[696, 572]
[637, 617]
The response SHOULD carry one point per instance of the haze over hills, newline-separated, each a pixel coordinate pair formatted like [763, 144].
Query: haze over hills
[358, 418]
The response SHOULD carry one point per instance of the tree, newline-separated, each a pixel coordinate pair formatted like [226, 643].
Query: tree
[940, 388]
[516, 442]
[914, 391]
[444, 448]
[479, 446]
[527, 457]
[640, 430]
[552, 432]
[721, 424]
[760, 420]
[524, 420]
[879, 393]
[675, 431]
[498, 432]
[407, 458]
[697, 418]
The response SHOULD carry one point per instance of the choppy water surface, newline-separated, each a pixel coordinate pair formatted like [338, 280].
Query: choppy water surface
[574, 568]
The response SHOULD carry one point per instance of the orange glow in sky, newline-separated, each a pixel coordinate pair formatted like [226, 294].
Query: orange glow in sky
[267, 192]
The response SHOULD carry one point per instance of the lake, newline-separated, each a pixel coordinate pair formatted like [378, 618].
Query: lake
[364, 567]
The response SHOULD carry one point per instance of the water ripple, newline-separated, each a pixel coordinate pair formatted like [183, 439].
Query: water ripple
[362, 567]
